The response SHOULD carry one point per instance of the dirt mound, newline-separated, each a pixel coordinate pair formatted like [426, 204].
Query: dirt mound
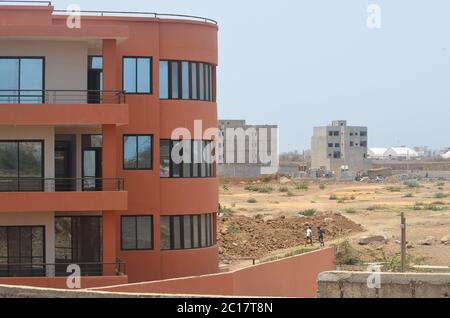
[241, 236]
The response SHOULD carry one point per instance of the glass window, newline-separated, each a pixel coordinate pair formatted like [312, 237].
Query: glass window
[174, 80]
[30, 159]
[176, 232]
[129, 152]
[176, 167]
[206, 82]
[137, 232]
[129, 75]
[143, 75]
[187, 232]
[210, 82]
[187, 158]
[163, 79]
[9, 160]
[165, 232]
[194, 80]
[21, 80]
[137, 75]
[137, 152]
[185, 79]
[203, 230]
[201, 80]
[164, 161]
[96, 62]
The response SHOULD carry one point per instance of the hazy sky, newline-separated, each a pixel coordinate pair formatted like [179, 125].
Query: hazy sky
[303, 63]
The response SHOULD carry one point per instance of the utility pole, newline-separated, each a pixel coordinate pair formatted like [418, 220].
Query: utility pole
[403, 242]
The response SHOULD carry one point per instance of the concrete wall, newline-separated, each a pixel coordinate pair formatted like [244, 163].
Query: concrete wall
[46, 133]
[65, 62]
[392, 285]
[291, 277]
[239, 170]
[46, 219]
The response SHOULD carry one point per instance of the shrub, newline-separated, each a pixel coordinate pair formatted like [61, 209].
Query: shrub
[440, 195]
[283, 189]
[341, 201]
[251, 187]
[252, 201]
[233, 229]
[225, 187]
[413, 184]
[440, 184]
[376, 207]
[267, 178]
[350, 211]
[346, 254]
[226, 211]
[333, 197]
[394, 189]
[309, 212]
[301, 186]
[265, 189]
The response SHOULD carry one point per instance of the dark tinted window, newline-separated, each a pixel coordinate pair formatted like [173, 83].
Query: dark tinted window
[137, 232]
[137, 152]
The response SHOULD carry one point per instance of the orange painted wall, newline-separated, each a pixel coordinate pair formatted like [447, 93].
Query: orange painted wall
[291, 277]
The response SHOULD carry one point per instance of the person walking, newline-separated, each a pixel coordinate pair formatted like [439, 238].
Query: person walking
[309, 236]
[320, 236]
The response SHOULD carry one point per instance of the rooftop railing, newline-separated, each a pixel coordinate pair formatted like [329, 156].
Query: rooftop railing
[26, 3]
[61, 97]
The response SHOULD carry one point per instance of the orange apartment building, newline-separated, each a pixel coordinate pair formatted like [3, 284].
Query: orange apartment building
[86, 118]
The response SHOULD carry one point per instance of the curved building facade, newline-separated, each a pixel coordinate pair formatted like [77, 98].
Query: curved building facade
[89, 110]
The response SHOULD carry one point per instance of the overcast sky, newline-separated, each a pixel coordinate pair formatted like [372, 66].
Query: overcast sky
[303, 63]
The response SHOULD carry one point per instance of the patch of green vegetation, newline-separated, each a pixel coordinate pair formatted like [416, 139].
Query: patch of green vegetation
[252, 201]
[260, 189]
[376, 207]
[225, 187]
[346, 255]
[334, 197]
[283, 189]
[440, 184]
[340, 201]
[350, 211]
[251, 187]
[226, 211]
[233, 229]
[420, 206]
[309, 212]
[301, 186]
[413, 184]
[394, 189]
[265, 189]
[440, 195]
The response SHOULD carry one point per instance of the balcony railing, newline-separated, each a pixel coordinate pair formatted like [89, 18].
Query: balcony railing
[61, 184]
[60, 269]
[61, 97]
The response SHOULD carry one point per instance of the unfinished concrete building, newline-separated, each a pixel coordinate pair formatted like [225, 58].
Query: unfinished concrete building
[243, 150]
[340, 149]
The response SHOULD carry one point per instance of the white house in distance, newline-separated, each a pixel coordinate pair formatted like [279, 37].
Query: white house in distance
[396, 153]
[446, 155]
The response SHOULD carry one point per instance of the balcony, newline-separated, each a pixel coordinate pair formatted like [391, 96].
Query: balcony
[73, 194]
[63, 107]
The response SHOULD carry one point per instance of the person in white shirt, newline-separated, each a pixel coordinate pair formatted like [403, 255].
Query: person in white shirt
[309, 236]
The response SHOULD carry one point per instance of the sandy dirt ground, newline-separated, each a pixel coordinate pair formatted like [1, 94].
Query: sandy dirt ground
[376, 207]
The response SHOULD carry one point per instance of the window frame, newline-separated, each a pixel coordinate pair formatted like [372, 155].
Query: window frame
[181, 165]
[208, 70]
[137, 152]
[210, 238]
[152, 236]
[18, 141]
[43, 58]
[136, 58]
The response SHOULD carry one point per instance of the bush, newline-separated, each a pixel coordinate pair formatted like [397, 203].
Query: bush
[322, 186]
[309, 212]
[413, 184]
[301, 186]
[346, 254]
[440, 195]
[267, 178]
[440, 184]
[376, 207]
[252, 201]
[341, 201]
[225, 187]
[350, 211]
[251, 187]
[265, 189]
[394, 189]
[283, 189]
[226, 211]
[333, 197]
